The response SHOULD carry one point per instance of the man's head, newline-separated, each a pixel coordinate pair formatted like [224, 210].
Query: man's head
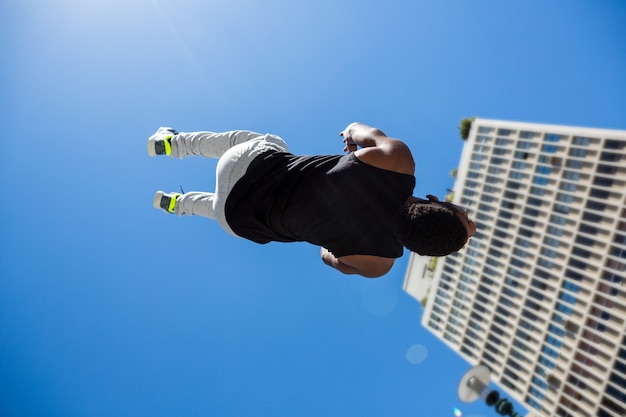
[432, 227]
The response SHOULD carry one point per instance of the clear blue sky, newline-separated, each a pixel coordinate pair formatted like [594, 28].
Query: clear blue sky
[111, 308]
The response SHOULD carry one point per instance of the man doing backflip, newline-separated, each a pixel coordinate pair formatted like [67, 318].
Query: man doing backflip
[357, 207]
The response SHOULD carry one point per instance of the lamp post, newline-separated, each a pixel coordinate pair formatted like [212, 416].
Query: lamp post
[475, 384]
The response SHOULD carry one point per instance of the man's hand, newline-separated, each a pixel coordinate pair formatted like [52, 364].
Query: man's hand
[349, 147]
[359, 134]
[378, 149]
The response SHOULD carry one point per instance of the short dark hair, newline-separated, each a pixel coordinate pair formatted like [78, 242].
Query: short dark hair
[430, 228]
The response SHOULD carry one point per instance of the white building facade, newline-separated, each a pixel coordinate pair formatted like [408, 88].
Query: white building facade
[539, 293]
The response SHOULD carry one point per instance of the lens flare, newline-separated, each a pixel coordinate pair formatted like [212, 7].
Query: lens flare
[457, 412]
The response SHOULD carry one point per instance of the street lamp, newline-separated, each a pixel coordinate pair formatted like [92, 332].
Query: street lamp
[475, 384]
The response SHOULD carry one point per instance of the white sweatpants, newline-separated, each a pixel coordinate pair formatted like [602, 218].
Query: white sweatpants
[235, 150]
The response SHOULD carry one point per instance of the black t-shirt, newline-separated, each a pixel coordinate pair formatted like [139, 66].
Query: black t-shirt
[334, 201]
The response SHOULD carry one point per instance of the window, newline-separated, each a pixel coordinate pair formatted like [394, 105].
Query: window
[563, 308]
[511, 195]
[577, 276]
[546, 263]
[574, 164]
[514, 273]
[484, 289]
[534, 404]
[484, 129]
[567, 186]
[497, 243]
[531, 212]
[593, 218]
[517, 263]
[495, 170]
[618, 252]
[509, 292]
[440, 302]
[571, 286]
[503, 224]
[504, 132]
[529, 222]
[606, 169]
[619, 239]
[593, 205]
[558, 220]
[603, 182]
[566, 198]
[570, 175]
[503, 311]
[541, 384]
[537, 190]
[485, 208]
[611, 277]
[549, 148]
[555, 231]
[610, 157]
[490, 189]
[545, 159]
[546, 362]
[523, 335]
[550, 352]
[536, 295]
[543, 170]
[560, 208]
[578, 140]
[578, 264]
[467, 352]
[552, 242]
[511, 282]
[523, 145]
[578, 152]
[556, 330]
[528, 314]
[526, 232]
[551, 137]
[542, 274]
[500, 234]
[527, 135]
[614, 144]
[601, 194]
[540, 180]
[585, 241]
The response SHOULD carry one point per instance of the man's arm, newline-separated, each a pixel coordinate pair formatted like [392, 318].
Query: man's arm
[366, 265]
[378, 149]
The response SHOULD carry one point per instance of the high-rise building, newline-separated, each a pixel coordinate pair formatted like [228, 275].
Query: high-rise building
[538, 294]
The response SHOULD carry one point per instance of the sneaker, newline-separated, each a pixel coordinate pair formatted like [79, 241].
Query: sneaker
[166, 201]
[161, 142]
